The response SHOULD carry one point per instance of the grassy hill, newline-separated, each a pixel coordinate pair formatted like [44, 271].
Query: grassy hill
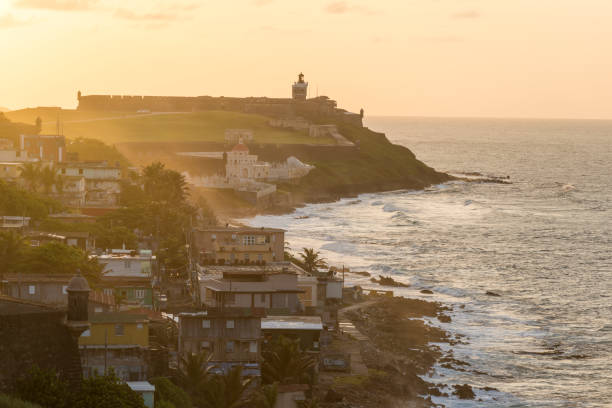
[115, 127]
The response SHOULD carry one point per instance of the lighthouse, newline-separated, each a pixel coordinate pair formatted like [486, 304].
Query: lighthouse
[299, 90]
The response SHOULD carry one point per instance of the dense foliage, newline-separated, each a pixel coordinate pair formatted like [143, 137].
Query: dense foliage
[50, 258]
[19, 202]
[45, 388]
[285, 363]
[96, 150]
[167, 394]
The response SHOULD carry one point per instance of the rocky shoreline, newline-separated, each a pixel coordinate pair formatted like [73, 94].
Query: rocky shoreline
[397, 349]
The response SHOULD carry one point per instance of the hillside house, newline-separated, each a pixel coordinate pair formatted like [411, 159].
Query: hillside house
[245, 244]
[231, 337]
[116, 340]
[49, 148]
[275, 291]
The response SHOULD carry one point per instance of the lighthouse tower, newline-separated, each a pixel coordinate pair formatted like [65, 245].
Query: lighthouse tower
[300, 89]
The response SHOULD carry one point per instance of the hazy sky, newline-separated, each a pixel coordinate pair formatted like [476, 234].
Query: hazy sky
[504, 58]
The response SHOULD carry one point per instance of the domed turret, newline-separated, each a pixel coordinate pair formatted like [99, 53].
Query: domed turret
[78, 298]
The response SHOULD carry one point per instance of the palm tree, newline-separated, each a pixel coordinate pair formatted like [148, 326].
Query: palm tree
[226, 391]
[266, 397]
[31, 174]
[194, 373]
[285, 363]
[312, 260]
[48, 178]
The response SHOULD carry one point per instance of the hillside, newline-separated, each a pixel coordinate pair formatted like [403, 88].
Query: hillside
[116, 127]
[374, 164]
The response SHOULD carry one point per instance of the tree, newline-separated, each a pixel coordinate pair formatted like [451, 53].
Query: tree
[38, 124]
[167, 392]
[106, 392]
[17, 201]
[11, 249]
[312, 260]
[164, 185]
[30, 172]
[225, 391]
[43, 387]
[194, 373]
[285, 363]
[59, 258]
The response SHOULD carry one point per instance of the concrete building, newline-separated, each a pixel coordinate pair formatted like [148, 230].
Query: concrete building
[13, 222]
[128, 275]
[231, 337]
[128, 263]
[242, 165]
[116, 340]
[50, 290]
[49, 148]
[240, 244]
[255, 287]
[102, 182]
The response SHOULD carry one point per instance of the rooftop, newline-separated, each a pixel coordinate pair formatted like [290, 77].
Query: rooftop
[141, 386]
[118, 317]
[11, 306]
[241, 229]
[292, 323]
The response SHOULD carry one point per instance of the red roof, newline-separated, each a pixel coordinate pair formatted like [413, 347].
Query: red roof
[240, 147]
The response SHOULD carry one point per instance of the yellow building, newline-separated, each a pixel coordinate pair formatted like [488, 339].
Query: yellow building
[117, 329]
[119, 341]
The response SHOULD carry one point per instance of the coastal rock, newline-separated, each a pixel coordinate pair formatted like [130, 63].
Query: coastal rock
[490, 293]
[464, 391]
[389, 281]
[426, 292]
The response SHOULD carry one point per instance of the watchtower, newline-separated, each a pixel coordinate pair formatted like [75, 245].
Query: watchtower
[299, 88]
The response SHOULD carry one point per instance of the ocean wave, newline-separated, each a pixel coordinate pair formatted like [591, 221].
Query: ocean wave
[391, 208]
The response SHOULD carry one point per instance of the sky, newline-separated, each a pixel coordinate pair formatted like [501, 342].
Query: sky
[465, 58]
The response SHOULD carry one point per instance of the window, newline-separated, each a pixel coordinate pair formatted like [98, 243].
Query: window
[246, 257]
[205, 345]
[248, 240]
[108, 291]
[206, 324]
[139, 326]
[86, 333]
[119, 330]
[229, 347]
[273, 238]
[229, 324]
[64, 289]
[127, 264]
[139, 293]
[213, 236]
[230, 298]
[253, 347]
[234, 237]
[80, 171]
[32, 289]
[98, 309]
[259, 257]
[262, 298]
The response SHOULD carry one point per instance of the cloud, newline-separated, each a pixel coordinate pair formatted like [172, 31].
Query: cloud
[8, 21]
[62, 5]
[259, 3]
[467, 14]
[342, 7]
[444, 39]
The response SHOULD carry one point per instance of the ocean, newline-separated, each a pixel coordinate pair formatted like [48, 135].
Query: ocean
[543, 243]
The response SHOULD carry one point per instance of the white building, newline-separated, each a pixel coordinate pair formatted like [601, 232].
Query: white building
[127, 263]
[242, 165]
[102, 181]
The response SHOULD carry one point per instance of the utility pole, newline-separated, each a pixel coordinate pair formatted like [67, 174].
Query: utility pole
[105, 351]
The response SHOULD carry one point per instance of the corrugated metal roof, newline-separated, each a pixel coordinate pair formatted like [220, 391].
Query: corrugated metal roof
[292, 323]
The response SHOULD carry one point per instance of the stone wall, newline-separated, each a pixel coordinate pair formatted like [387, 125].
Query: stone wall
[38, 338]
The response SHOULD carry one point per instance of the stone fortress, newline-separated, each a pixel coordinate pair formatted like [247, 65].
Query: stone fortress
[298, 105]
